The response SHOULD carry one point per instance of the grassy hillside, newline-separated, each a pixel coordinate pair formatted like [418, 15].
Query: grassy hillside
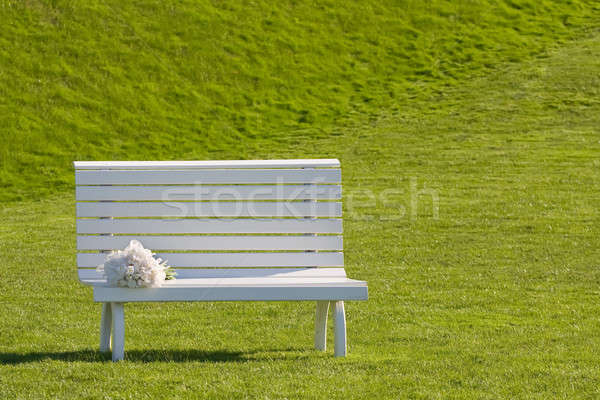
[202, 80]
[492, 103]
[496, 299]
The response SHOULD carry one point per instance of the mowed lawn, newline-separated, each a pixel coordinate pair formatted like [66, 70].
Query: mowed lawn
[497, 297]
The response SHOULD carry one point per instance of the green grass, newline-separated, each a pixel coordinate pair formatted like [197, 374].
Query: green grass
[201, 80]
[497, 298]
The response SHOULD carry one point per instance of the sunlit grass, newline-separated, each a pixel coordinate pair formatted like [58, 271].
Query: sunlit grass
[497, 298]
[238, 79]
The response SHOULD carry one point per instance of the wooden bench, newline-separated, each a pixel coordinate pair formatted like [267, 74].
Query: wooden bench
[233, 230]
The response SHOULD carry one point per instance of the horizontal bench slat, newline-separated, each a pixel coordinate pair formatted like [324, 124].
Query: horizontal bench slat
[97, 242]
[209, 192]
[210, 209]
[91, 275]
[309, 163]
[331, 259]
[349, 290]
[255, 281]
[196, 177]
[242, 225]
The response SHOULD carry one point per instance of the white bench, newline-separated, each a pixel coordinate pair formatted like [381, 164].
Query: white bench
[233, 230]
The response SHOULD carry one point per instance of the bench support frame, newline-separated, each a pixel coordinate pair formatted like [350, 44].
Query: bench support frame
[340, 329]
[321, 325]
[118, 331]
[112, 328]
[105, 327]
[339, 315]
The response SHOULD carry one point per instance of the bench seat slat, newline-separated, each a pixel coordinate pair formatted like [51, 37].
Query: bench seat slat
[197, 177]
[300, 163]
[210, 209]
[209, 192]
[93, 276]
[242, 225]
[256, 281]
[98, 242]
[304, 259]
[349, 290]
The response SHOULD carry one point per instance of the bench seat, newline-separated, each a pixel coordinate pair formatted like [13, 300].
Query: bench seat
[273, 284]
[237, 289]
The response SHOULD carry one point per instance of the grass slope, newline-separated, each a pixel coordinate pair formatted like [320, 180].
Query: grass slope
[198, 80]
[498, 298]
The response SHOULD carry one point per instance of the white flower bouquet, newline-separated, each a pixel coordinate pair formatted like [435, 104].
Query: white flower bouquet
[135, 267]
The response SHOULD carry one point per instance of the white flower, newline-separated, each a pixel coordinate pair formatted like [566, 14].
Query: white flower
[134, 267]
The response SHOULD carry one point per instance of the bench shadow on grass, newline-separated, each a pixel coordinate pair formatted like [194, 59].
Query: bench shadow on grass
[152, 355]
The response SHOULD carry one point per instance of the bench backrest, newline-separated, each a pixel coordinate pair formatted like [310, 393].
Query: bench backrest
[246, 218]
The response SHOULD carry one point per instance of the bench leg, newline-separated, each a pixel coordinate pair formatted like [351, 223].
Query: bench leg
[118, 331]
[340, 329]
[321, 325]
[105, 327]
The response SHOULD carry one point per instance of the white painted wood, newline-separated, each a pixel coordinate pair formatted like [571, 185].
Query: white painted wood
[180, 186]
[322, 242]
[315, 163]
[321, 325]
[340, 329]
[91, 276]
[209, 192]
[329, 259]
[208, 176]
[210, 209]
[258, 282]
[118, 331]
[234, 293]
[105, 327]
[215, 225]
